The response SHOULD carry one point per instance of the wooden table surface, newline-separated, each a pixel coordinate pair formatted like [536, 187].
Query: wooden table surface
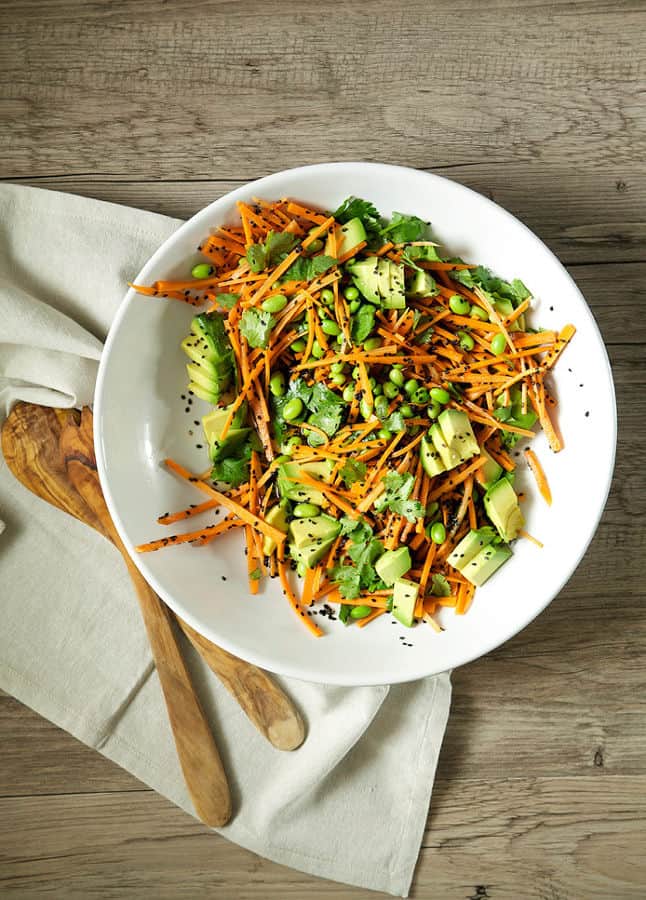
[541, 789]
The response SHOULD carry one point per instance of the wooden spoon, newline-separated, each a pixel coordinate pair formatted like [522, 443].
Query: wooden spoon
[34, 432]
[30, 443]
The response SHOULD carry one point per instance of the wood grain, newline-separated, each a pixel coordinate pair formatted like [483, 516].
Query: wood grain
[541, 785]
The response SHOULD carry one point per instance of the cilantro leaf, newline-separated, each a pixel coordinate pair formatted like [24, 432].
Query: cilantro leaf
[363, 321]
[306, 268]
[357, 530]
[256, 575]
[326, 408]
[344, 612]
[274, 250]
[411, 509]
[395, 497]
[227, 301]
[348, 579]
[498, 288]
[297, 388]
[425, 253]
[440, 586]
[395, 422]
[255, 326]
[404, 228]
[352, 471]
[233, 470]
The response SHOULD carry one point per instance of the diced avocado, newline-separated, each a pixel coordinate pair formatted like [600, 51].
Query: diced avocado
[450, 458]
[302, 493]
[485, 563]
[431, 459]
[458, 433]
[213, 422]
[396, 297]
[210, 328]
[365, 275]
[470, 546]
[404, 599]
[502, 507]
[276, 517]
[311, 554]
[352, 233]
[314, 530]
[488, 474]
[235, 437]
[203, 393]
[392, 564]
[383, 279]
[422, 284]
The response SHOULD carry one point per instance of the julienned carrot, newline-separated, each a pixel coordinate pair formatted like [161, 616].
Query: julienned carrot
[539, 475]
[311, 337]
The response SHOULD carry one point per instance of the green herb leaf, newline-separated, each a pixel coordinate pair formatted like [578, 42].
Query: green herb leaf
[233, 470]
[227, 301]
[306, 268]
[440, 586]
[357, 530]
[256, 575]
[348, 580]
[395, 497]
[404, 228]
[272, 252]
[352, 471]
[426, 253]
[363, 321]
[395, 422]
[255, 326]
[411, 509]
[256, 257]
[356, 208]
[344, 612]
[498, 288]
[326, 408]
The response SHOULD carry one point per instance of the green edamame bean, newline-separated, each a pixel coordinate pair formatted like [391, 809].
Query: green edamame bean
[339, 378]
[438, 533]
[411, 386]
[406, 410]
[202, 270]
[306, 510]
[360, 612]
[434, 410]
[317, 350]
[381, 407]
[290, 444]
[390, 390]
[440, 395]
[372, 343]
[277, 384]
[327, 296]
[354, 305]
[315, 246]
[396, 376]
[466, 341]
[365, 408]
[337, 367]
[329, 326]
[372, 381]
[384, 434]
[377, 389]
[356, 373]
[420, 396]
[498, 344]
[459, 305]
[477, 312]
[349, 392]
[351, 293]
[275, 303]
[292, 409]
[298, 346]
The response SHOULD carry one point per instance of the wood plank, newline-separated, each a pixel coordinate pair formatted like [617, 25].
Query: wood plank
[558, 838]
[583, 218]
[222, 91]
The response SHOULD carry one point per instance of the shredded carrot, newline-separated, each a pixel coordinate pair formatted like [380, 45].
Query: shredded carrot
[539, 475]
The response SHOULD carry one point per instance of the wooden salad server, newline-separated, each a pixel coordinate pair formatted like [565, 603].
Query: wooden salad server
[31, 443]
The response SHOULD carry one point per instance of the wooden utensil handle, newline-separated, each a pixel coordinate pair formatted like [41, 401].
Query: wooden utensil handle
[196, 749]
[268, 707]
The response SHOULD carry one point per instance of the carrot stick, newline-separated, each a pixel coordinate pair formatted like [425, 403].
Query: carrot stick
[539, 475]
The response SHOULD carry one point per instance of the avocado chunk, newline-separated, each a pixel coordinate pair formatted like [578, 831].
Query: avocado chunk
[211, 370]
[392, 564]
[203, 374]
[422, 284]
[450, 458]
[431, 459]
[198, 351]
[485, 563]
[203, 393]
[311, 554]
[458, 433]
[470, 545]
[404, 599]
[352, 233]
[488, 474]
[234, 439]
[365, 275]
[302, 493]
[314, 530]
[213, 422]
[502, 507]
[209, 328]
[396, 298]
[277, 517]
[383, 279]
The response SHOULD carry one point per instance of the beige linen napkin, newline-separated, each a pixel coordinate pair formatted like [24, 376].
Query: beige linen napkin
[352, 802]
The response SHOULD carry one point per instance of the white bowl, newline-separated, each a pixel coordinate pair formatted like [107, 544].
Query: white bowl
[140, 419]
